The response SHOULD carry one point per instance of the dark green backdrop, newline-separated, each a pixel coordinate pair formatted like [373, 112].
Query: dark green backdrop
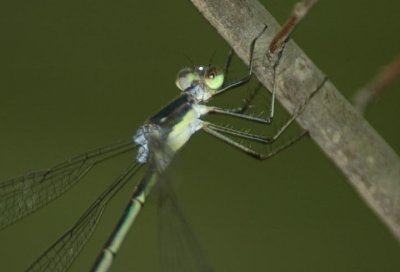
[75, 75]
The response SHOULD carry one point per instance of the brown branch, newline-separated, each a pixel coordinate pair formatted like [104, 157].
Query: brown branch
[372, 90]
[368, 162]
[300, 10]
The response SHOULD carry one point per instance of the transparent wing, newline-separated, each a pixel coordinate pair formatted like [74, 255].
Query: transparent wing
[179, 248]
[21, 196]
[60, 255]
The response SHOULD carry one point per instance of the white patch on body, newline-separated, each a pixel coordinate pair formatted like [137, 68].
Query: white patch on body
[198, 93]
[141, 138]
[178, 136]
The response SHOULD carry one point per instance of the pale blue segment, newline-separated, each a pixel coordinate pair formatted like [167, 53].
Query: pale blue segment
[109, 252]
[106, 262]
[134, 210]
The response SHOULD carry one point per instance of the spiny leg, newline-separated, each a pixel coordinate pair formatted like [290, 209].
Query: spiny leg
[249, 99]
[246, 103]
[247, 150]
[219, 131]
[228, 62]
[250, 73]
[233, 113]
[268, 120]
[250, 136]
[275, 58]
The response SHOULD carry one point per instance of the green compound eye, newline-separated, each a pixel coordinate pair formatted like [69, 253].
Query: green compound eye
[214, 78]
[185, 78]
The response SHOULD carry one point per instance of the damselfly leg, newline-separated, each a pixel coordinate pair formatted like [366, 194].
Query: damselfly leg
[158, 139]
[220, 132]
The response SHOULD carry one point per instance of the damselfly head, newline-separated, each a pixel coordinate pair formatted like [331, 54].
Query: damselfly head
[207, 77]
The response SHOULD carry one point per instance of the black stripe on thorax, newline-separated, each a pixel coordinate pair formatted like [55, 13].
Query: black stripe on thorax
[173, 112]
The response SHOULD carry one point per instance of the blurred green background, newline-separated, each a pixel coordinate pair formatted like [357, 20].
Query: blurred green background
[76, 75]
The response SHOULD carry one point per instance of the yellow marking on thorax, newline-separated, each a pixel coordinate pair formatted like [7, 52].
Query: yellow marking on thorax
[182, 131]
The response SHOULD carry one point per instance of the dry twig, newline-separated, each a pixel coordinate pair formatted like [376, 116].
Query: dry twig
[372, 90]
[367, 161]
[300, 10]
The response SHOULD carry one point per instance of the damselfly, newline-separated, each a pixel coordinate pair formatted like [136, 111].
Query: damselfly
[161, 136]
